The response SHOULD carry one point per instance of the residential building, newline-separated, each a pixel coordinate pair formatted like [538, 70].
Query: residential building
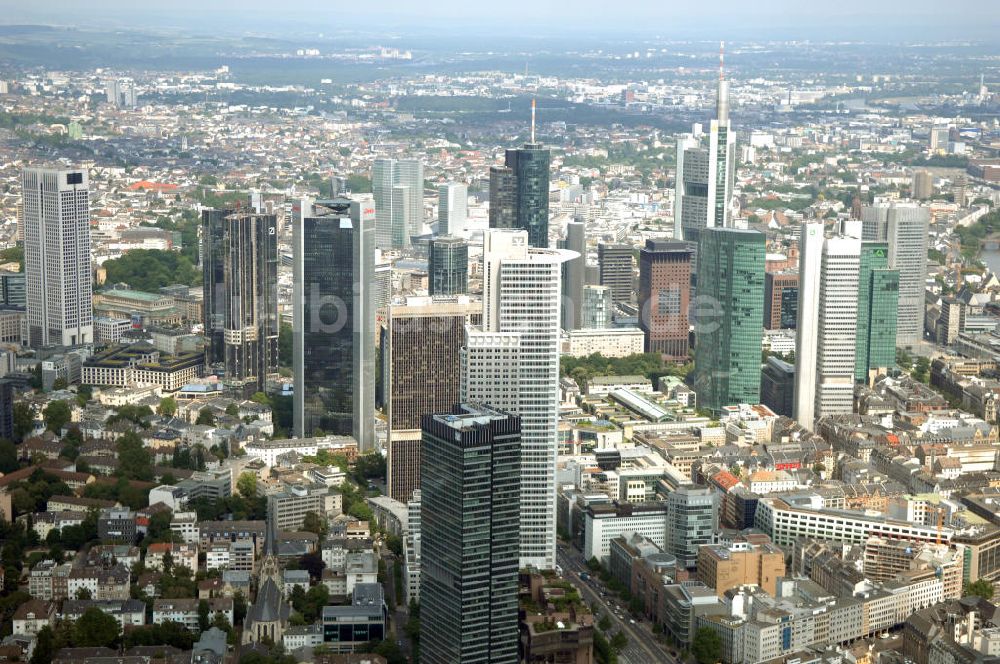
[185, 611]
[611, 342]
[289, 505]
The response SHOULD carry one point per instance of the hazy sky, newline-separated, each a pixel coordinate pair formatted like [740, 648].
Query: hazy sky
[891, 19]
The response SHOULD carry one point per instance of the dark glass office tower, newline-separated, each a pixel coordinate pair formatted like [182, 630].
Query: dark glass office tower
[503, 197]
[250, 277]
[448, 264]
[334, 320]
[213, 284]
[728, 322]
[470, 511]
[519, 193]
[615, 268]
[573, 275]
[530, 165]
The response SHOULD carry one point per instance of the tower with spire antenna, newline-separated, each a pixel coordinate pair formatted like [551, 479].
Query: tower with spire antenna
[519, 190]
[705, 172]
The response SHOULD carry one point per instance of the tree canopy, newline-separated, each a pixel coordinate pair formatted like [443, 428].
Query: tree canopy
[706, 646]
[152, 269]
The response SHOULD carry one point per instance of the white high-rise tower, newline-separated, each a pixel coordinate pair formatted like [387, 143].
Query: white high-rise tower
[512, 363]
[57, 256]
[826, 329]
[399, 213]
[453, 202]
[704, 181]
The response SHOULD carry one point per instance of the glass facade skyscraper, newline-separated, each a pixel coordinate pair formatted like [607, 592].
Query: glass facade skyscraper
[470, 510]
[398, 188]
[692, 521]
[448, 264]
[878, 301]
[213, 284]
[334, 320]
[519, 193]
[729, 314]
[250, 277]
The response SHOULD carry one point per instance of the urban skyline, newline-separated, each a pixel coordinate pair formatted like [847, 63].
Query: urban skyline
[343, 341]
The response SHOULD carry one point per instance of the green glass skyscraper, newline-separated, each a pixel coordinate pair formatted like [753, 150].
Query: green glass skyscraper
[878, 306]
[728, 314]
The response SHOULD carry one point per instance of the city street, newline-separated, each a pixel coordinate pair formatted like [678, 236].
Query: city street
[642, 647]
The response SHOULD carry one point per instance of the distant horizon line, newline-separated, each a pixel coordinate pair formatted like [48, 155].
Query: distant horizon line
[844, 30]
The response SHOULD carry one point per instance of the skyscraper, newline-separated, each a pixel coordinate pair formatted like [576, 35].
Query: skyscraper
[399, 199]
[512, 363]
[503, 197]
[214, 283]
[826, 331]
[728, 318]
[692, 521]
[470, 497]
[453, 200]
[665, 296]
[422, 344]
[250, 278]
[448, 264]
[519, 192]
[878, 304]
[923, 184]
[907, 233]
[704, 180]
[421, 362]
[57, 257]
[399, 213]
[614, 262]
[596, 307]
[334, 320]
[574, 273]
[781, 296]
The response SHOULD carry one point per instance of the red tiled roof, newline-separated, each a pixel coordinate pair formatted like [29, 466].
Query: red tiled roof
[151, 186]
